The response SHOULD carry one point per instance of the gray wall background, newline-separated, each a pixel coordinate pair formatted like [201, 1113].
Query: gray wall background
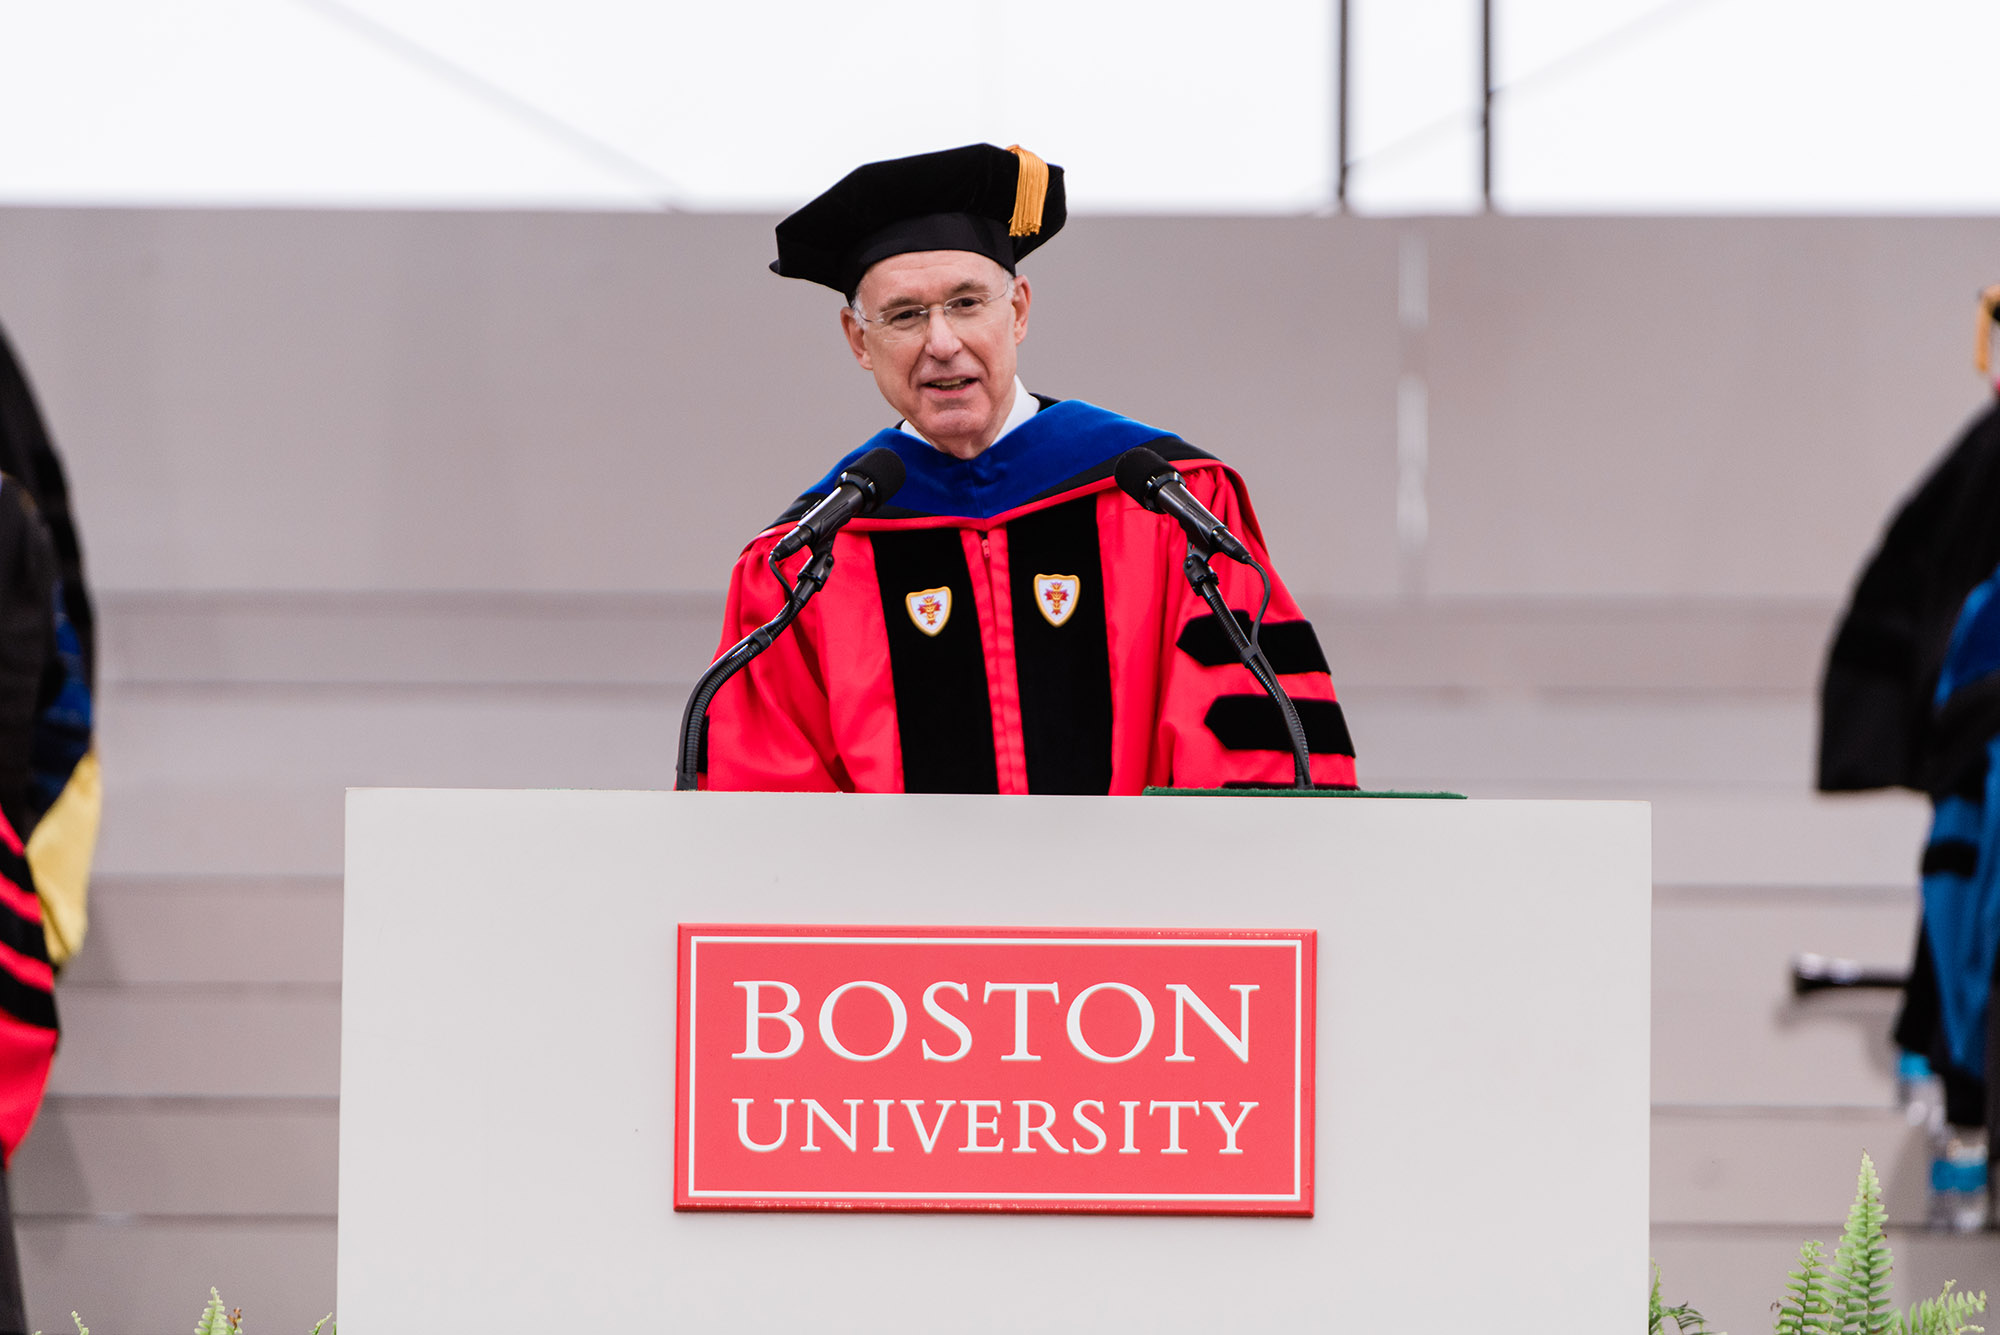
[376, 498]
[1628, 408]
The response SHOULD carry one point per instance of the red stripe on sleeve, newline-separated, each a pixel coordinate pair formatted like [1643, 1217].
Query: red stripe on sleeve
[35, 973]
[19, 900]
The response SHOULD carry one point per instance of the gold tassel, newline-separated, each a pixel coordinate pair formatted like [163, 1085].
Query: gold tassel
[1989, 311]
[1031, 191]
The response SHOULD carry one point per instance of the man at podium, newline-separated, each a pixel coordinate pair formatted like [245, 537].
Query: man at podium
[1010, 621]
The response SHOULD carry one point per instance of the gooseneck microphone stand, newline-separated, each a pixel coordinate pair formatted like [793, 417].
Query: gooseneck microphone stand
[862, 487]
[1202, 578]
[811, 580]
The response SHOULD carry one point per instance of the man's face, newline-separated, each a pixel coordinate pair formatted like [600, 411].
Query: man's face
[952, 380]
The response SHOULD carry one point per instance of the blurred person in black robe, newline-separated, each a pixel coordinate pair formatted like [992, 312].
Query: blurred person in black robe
[32, 679]
[57, 811]
[1881, 675]
[26, 453]
[49, 794]
[1880, 723]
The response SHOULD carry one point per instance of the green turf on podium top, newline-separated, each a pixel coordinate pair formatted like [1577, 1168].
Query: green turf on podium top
[1293, 792]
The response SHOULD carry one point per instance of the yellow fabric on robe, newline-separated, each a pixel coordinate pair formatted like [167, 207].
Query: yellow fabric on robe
[59, 854]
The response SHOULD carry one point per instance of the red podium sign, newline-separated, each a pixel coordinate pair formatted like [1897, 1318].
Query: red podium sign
[919, 1068]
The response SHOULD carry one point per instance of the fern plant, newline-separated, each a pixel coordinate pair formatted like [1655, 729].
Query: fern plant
[218, 1320]
[1686, 1320]
[1861, 1266]
[1806, 1308]
[1945, 1314]
[1853, 1297]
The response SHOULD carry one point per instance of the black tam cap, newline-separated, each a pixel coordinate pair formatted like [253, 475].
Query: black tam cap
[996, 202]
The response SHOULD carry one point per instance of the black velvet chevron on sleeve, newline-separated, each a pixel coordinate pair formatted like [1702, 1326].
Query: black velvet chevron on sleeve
[1253, 723]
[1291, 646]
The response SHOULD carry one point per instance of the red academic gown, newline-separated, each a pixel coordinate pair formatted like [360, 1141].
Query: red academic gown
[1015, 623]
[27, 997]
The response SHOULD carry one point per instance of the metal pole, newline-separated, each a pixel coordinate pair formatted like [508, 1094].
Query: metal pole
[1341, 104]
[1486, 105]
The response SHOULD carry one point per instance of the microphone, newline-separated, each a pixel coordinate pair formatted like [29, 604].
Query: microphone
[1153, 482]
[864, 484]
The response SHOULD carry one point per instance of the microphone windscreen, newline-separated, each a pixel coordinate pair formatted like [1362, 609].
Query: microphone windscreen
[883, 470]
[1137, 467]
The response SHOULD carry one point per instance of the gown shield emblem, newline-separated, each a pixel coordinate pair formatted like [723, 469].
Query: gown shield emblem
[929, 609]
[1056, 596]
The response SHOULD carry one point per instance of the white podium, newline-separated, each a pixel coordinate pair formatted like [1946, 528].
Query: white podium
[508, 1061]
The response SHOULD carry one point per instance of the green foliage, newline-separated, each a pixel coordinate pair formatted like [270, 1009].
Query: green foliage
[1943, 1315]
[1805, 1309]
[1861, 1267]
[216, 1320]
[1853, 1298]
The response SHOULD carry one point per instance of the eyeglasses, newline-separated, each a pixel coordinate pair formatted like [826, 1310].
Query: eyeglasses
[963, 311]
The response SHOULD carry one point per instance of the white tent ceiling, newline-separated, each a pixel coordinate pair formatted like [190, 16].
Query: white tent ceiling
[615, 104]
[1674, 106]
[1185, 105]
